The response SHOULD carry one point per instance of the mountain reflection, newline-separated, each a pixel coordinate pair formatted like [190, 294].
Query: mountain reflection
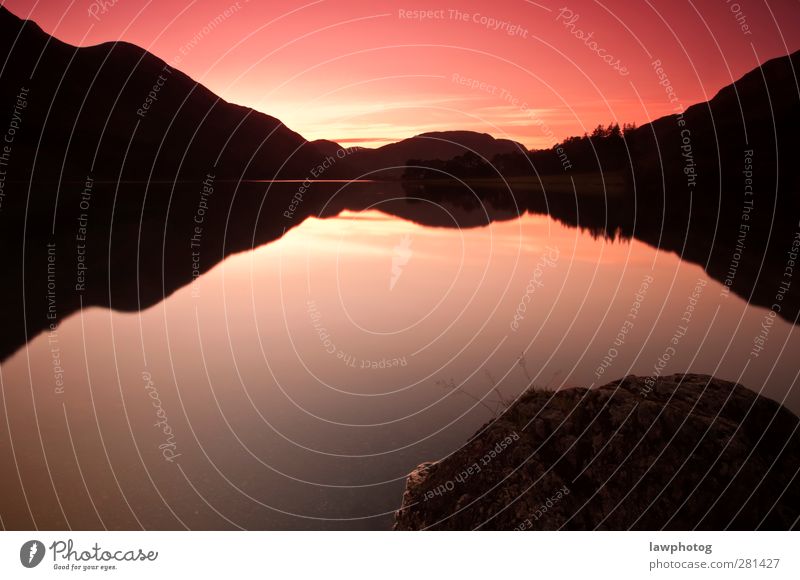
[128, 246]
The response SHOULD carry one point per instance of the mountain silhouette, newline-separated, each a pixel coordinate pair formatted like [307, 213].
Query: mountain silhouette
[716, 184]
[116, 112]
[719, 185]
[758, 112]
[331, 148]
[389, 161]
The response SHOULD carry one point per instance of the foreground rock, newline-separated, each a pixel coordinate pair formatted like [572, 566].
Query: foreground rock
[680, 452]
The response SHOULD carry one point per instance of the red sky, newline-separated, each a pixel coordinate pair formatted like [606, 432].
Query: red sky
[369, 72]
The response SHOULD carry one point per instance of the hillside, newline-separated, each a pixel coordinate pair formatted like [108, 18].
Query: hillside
[116, 111]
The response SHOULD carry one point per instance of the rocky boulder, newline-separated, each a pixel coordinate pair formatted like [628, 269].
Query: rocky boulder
[676, 452]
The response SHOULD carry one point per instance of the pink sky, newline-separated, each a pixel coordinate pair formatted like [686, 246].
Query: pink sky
[371, 72]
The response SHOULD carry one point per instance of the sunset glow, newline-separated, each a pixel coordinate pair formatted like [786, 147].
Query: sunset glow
[339, 265]
[365, 73]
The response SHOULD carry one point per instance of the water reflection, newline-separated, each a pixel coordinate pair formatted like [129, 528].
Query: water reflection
[296, 384]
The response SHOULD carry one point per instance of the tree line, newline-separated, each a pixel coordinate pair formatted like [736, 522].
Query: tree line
[604, 149]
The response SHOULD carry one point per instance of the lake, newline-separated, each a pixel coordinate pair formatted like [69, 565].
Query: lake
[295, 385]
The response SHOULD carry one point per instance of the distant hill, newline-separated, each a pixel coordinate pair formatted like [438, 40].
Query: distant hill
[718, 184]
[700, 151]
[390, 160]
[117, 111]
[330, 148]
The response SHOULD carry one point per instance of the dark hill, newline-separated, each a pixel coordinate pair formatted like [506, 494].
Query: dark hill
[330, 148]
[390, 160]
[759, 112]
[719, 185]
[115, 110]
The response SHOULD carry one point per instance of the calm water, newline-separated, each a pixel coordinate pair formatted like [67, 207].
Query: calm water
[296, 385]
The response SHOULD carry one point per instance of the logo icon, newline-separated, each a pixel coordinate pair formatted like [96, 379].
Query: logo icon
[402, 254]
[31, 553]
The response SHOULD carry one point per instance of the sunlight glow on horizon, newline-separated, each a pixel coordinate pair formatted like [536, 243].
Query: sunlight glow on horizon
[367, 75]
